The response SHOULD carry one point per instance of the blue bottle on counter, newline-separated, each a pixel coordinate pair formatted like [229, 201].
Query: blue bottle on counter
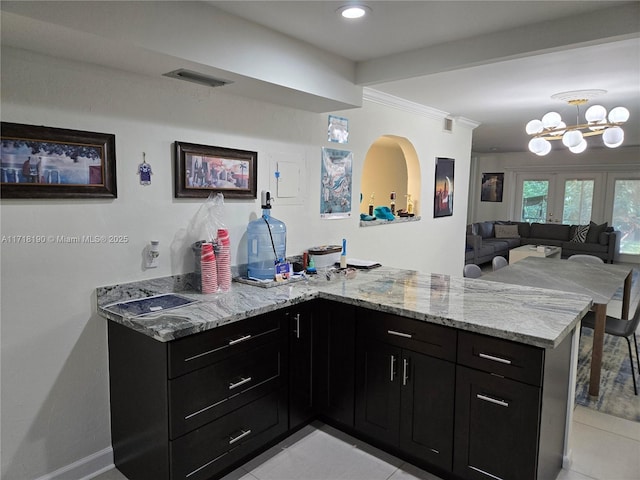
[266, 242]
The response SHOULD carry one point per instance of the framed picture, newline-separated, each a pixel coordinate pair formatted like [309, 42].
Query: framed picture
[47, 162]
[443, 198]
[201, 170]
[335, 183]
[492, 187]
[338, 129]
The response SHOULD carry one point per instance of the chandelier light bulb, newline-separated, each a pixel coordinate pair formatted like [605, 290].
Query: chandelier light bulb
[619, 115]
[539, 146]
[582, 146]
[534, 126]
[613, 137]
[572, 138]
[595, 114]
[551, 120]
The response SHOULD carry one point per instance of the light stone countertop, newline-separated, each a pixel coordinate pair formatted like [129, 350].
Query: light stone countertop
[532, 316]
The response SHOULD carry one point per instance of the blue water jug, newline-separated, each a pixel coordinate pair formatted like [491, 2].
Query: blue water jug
[266, 243]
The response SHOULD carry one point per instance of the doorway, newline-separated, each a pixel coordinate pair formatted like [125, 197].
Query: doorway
[559, 198]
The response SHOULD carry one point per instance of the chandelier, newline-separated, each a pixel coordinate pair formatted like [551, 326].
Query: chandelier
[551, 127]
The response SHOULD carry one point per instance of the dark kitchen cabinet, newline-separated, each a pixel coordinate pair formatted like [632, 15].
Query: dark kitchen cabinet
[511, 402]
[194, 407]
[302, 339]
[404, 397]
[497, 427]
[454, 402]
[334, 357]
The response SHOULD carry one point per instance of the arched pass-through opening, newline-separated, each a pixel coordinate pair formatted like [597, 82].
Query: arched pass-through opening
[391, 165]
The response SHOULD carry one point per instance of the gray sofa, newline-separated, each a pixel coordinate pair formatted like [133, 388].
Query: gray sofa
[483, 244]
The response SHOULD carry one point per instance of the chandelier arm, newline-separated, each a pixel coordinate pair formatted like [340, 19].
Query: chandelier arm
[554, 134]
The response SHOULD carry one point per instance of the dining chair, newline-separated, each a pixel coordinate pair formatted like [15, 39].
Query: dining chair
[620, 328]
[472, 271]
[498, 262]
[585, 258]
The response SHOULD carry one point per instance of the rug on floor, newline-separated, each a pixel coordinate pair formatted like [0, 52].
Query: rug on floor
[616, 385]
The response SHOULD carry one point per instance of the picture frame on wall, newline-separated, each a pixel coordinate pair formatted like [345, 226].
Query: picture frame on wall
[492, 187]
[338, 129]
[201, 170]
[443, 196]
[48, 162]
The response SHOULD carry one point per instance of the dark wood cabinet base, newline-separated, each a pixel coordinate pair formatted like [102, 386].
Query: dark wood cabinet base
[460, 405]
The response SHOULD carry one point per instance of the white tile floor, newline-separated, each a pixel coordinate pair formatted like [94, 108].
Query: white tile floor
[604, 448]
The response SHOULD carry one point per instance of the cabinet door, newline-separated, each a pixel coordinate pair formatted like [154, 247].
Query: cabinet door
[426, 428]
[335, 361]
[301, 328]
[378, 391]
[496, 433]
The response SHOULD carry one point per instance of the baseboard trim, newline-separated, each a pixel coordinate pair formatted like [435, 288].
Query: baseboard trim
[85, 468]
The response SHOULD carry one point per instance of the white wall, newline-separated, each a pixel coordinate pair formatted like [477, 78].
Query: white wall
[55, 405]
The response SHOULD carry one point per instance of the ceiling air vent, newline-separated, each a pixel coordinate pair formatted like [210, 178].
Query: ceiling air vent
[196, 77]
[448, 124]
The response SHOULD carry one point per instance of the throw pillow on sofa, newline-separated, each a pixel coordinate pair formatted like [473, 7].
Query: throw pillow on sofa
[580, 233]
[593, 236]
[506, 231]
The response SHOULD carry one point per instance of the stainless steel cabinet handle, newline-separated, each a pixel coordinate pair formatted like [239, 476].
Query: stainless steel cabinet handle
[502, 403]
[241, 382]
[495, 359]
[297, 317]
[393, 367]
[241, 339]
[405, 371]
[399, 334]
[243, 434]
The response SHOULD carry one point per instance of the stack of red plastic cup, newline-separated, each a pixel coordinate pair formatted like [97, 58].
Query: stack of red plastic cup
[223, 260]
[208, 268]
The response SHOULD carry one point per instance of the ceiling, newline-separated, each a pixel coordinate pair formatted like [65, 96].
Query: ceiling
[495, 63]
[501, 94]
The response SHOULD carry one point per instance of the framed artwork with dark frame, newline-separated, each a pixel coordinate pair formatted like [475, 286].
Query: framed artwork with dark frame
[48, 162]
[443, 197]
[202, 170]
[492, 185]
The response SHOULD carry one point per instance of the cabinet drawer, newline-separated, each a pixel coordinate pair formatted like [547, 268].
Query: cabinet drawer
[497, 426]
[206, 451]
[210, 392]
[202, 349]
[503, 357]
[416, 335]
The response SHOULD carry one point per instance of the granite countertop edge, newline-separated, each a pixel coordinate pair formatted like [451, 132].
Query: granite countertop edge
[404, 292]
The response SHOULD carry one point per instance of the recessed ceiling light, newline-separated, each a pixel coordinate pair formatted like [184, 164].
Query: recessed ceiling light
[354, 11]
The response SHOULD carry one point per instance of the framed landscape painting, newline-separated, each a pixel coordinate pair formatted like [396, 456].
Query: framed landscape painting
[47, 162]
[202, 170]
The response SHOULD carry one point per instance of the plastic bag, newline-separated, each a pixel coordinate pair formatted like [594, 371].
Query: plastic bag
[208, 219]
[207, 226]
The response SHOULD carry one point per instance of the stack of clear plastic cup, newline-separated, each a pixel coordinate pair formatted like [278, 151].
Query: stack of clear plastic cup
[223, 260]
[209, 270]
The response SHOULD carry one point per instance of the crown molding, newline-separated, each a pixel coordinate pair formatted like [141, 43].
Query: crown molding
[376, 96]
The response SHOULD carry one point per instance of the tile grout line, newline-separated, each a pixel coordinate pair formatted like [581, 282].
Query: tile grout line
[618, 434]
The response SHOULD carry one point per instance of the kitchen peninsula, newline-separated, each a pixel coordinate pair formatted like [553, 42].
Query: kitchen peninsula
[463, 377]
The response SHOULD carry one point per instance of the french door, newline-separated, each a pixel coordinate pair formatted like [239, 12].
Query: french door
[559, 198]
